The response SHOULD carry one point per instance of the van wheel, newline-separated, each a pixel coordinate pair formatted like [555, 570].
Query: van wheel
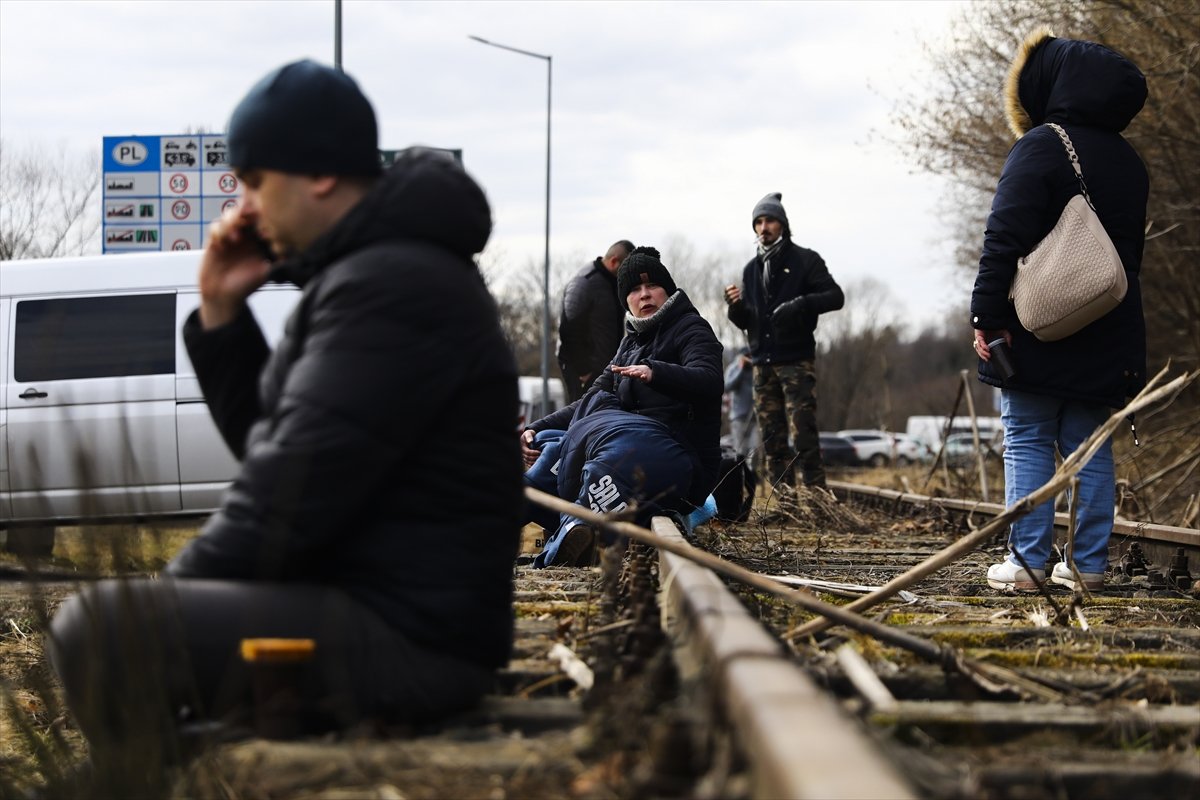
[30, 542]
[879, 460]
[903, 461]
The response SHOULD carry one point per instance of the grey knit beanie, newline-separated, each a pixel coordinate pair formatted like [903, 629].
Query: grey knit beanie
[305, 119]
[772, 206]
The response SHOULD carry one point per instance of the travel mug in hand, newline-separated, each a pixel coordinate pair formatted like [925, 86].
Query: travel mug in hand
[1002, 359]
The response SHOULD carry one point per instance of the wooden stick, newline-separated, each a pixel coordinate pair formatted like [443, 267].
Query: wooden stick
[938, 459]
[967, 544]
[979, 452]
[797, 596]
[989, 676]
[864, 680]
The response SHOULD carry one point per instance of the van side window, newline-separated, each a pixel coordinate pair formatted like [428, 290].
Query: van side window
[94, 337]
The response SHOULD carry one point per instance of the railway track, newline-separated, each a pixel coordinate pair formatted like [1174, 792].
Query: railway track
[667, 680]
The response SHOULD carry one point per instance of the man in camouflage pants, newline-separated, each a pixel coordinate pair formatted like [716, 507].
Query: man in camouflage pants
[784, 288]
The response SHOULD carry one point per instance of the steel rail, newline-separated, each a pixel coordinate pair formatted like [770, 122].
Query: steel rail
[798, 741]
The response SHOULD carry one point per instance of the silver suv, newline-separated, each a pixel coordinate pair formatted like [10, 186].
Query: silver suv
[881, 448]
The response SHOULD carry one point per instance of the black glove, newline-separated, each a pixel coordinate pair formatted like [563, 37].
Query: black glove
[789, 313]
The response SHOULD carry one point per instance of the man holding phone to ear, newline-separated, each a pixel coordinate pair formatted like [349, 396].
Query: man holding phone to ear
[380, 428]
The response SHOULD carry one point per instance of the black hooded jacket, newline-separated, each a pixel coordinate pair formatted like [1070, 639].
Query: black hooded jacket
[684, 393]
[1093, 93]
[780, 319]
[381, 431]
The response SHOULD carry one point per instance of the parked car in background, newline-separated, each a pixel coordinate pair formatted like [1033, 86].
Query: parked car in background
[838, 451]
[960, 448]
[881, 448]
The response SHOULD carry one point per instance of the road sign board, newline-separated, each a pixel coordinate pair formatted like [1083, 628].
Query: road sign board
[161, 192]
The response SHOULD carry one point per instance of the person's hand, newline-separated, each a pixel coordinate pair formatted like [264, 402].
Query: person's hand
[231, 270]
[585, 380]
[528, 453]
[640, 371]
[732, 294]
[744, 360]
[980, 342]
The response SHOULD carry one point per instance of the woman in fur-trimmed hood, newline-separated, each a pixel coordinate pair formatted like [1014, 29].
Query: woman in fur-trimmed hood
[1063, 390]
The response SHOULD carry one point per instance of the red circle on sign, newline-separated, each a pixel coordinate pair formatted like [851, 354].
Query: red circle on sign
[181, 244]
[227, 183]
[178, 183]
[180, 209]
[228, 204]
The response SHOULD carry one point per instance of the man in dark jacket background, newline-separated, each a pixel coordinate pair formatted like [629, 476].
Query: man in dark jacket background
[784, 288]
[381, 424]
[592, 321]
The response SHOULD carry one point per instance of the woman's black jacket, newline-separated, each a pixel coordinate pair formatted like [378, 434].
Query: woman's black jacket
[684, 392]
[1093, 93]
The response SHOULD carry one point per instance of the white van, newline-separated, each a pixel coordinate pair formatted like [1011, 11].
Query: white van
[929, 429]
[101, 414]
[529, 388]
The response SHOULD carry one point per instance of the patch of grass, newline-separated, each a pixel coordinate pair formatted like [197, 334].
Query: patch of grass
[114, 549]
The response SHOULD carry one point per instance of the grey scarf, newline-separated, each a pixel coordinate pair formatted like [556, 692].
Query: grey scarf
[766, 254]
[643, 324]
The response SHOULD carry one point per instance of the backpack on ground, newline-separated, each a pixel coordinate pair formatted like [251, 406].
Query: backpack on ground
[736, 485]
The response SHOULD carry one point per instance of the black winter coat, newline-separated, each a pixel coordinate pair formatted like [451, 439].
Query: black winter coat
[592, 322]
[684, 393]
[1093, 93]
[378, 454]
[780, 320]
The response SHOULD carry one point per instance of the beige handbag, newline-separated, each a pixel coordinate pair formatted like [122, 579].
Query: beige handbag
[1074, 275]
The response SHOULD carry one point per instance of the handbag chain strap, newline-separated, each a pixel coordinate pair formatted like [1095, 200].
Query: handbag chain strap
[1071, 154]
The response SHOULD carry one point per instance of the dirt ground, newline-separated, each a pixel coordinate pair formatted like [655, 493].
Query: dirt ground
[827, 540]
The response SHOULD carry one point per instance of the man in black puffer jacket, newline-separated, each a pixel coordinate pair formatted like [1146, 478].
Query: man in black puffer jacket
[379, 429]
[592, 321]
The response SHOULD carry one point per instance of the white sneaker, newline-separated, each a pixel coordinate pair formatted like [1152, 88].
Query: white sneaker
[1062, 575]
[1011, 577]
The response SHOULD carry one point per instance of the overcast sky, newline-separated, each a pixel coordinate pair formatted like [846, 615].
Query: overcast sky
[669, 118]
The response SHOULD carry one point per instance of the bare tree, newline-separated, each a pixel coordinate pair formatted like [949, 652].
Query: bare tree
[49, 204]
[704, 277]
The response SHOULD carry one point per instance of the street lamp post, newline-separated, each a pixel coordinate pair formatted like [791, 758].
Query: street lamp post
[337, 34]
[546, 262]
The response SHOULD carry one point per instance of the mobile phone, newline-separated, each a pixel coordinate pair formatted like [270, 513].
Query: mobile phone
[259, 243]
[1002, 359]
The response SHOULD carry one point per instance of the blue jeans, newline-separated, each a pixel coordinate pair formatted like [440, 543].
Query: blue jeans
[1033, 425]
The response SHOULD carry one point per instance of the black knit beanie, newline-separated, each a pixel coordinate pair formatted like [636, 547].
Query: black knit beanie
[305, 119]
[643, 265]
[772, 206]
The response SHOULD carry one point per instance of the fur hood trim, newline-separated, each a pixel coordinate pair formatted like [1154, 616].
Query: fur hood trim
[1018, 118]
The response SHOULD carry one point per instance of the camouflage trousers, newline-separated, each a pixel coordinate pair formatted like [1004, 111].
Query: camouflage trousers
[785, 400]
